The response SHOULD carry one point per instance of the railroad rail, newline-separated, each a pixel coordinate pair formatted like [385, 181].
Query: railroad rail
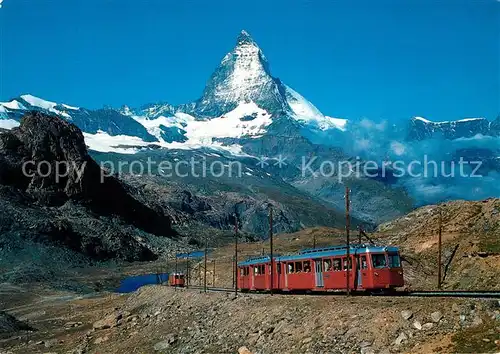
[457, 294]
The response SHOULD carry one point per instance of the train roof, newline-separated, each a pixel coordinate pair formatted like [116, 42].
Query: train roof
[323, 252]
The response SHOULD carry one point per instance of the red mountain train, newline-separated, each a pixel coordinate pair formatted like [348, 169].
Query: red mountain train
[370, 268]
[176, 279]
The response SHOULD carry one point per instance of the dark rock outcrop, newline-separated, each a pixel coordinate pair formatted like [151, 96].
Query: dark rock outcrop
[53, 191]
[9, 325]
[44, 144]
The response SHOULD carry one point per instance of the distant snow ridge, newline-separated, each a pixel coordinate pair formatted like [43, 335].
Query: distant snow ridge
[448, 122]
[14, 104]
[306, 112]
[421, 128]
[50, 106]
[26, 102]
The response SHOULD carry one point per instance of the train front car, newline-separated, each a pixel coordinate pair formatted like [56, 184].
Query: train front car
[255, 274]
[386, 272]
[177, 280]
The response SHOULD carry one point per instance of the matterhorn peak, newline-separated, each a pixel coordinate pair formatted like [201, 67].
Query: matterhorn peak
[242, 76]
[245, 38]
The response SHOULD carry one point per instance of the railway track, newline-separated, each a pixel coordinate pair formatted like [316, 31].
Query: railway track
[457, 294]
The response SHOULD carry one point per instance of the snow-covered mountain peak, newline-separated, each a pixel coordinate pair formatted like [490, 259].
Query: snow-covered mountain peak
[245, 38]
[242, 76]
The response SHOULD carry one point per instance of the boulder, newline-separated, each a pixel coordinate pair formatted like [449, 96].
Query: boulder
[406, 314]
[244, 350]
[427, 326]
[9, 324]
[436, 316]
[401, 339]
[110, 321]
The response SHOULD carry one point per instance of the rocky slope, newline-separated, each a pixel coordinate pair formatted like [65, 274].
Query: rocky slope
[158, 319]
[470, 241]
[77, 214]
[206, 207]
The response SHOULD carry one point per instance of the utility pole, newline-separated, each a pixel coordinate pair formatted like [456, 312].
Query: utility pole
[347, 227]
[175, 274]
[232, 269]
[213, 276]
[187, 271]
[205, 266]
[439, 247]
[236, 254]
[359, 230]
[271, 245]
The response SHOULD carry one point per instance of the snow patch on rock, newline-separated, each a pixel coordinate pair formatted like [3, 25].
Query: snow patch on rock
[8, 123]
[305, 111]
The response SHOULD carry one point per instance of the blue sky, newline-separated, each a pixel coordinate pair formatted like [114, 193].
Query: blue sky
[354, 58]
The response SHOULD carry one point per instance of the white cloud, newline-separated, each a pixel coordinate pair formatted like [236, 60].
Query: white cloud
[398, 148]
[1, 3]
[363, 144]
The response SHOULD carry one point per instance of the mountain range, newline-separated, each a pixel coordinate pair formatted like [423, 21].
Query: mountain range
[245, 113]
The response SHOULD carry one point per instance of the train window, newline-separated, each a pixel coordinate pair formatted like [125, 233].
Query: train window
[307, 266]
[379, 261]
[298, 267]
[336, 265]
[256, 270]
[278, 268]
[327, 265]
[394, 261]
[290, 268]
[262, 269]
[364, 264]
[345, 263]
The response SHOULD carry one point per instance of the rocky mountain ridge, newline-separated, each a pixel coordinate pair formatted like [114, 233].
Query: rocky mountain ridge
[421, 128]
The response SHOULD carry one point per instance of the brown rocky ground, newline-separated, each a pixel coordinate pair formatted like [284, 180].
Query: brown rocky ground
[187, 321]
[161, 319]
[470, 243]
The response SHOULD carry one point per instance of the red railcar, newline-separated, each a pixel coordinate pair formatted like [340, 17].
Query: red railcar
[368, 268]
[177, 279]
